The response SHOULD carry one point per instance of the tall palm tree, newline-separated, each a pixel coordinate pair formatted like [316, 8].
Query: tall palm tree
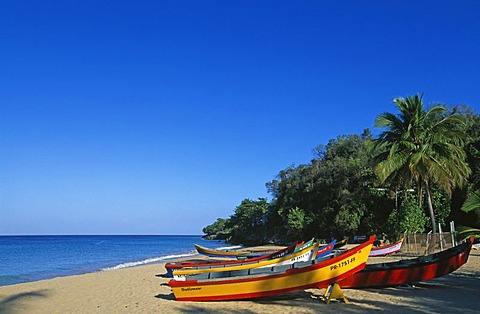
[421, 146]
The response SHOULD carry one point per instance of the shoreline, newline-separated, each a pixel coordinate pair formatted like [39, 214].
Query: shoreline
[144, 289]
[126, 265]
[138, 263]
[33, 258]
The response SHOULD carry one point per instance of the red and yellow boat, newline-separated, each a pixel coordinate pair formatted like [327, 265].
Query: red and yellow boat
[314, 274]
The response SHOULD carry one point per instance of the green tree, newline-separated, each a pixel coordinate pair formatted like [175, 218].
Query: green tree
[247, 224]
[217, 231]
[328, 197]
[298, 221]
[472, 143]
[421, 146]
[472, 149]
[408, 217]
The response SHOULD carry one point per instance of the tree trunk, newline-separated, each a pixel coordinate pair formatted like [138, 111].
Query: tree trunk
[420, 192]
[430, 208]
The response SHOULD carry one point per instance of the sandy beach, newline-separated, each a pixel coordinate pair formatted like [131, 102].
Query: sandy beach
[143, 289]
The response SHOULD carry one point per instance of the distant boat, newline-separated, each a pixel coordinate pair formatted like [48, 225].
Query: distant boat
[303, 253]
[299, 276]
[387, 249]
[412, 270]
[232, 254]
[341, 243]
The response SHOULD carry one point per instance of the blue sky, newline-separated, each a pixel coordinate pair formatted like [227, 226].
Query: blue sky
[158, 117]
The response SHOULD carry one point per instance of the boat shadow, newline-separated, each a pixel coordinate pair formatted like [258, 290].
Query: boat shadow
[164, 275]
[168, 297]
[448, 294]
[167, 294]
[12, 303]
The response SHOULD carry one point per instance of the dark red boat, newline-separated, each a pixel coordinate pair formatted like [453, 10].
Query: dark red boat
[412, 270]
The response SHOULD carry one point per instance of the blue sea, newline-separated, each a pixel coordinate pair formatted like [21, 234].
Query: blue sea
[32, 258]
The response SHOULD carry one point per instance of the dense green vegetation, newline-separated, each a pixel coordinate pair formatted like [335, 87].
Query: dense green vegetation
[415, 174]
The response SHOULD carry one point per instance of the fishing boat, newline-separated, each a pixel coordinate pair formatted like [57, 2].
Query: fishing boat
[321, 252]
[298, 276]
[215, 263]
[387, 249]
[325, 249]
[239, 254]
[341, 243]
[303, 253]
[410, 270]
[212, 263]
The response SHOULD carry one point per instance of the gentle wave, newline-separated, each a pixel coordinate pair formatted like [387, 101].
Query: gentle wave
[162, 258]
[147, 261]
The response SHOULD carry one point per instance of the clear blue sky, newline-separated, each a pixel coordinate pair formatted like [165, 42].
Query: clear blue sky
[158, 117]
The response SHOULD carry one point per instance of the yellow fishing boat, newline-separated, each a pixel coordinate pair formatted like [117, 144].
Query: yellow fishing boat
[298, 276]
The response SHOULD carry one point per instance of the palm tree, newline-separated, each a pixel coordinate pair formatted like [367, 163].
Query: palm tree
[420, 146]
[472, 203]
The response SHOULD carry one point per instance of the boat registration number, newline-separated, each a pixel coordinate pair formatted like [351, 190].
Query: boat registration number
[342, 263]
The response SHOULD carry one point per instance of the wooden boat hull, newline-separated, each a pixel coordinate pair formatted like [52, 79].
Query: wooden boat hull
[386, 250]
[304, 253]
[231, 254]
[325, 250]
[317, 275]
[412, 270]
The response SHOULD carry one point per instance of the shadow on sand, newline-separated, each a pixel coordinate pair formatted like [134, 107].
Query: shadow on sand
[11, 303]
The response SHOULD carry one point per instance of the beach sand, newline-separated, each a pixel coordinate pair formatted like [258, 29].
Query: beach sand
[143, 289]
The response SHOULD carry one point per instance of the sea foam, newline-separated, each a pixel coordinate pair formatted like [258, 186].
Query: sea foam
[147, 261]
[162, 258]
[229, 248]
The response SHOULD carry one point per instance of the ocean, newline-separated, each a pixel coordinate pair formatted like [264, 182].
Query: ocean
[32, 258]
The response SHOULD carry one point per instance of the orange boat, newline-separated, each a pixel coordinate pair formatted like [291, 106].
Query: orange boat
[298, 276]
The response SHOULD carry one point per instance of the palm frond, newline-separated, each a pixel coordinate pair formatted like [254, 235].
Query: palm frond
[464, 232]
[472, 202]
